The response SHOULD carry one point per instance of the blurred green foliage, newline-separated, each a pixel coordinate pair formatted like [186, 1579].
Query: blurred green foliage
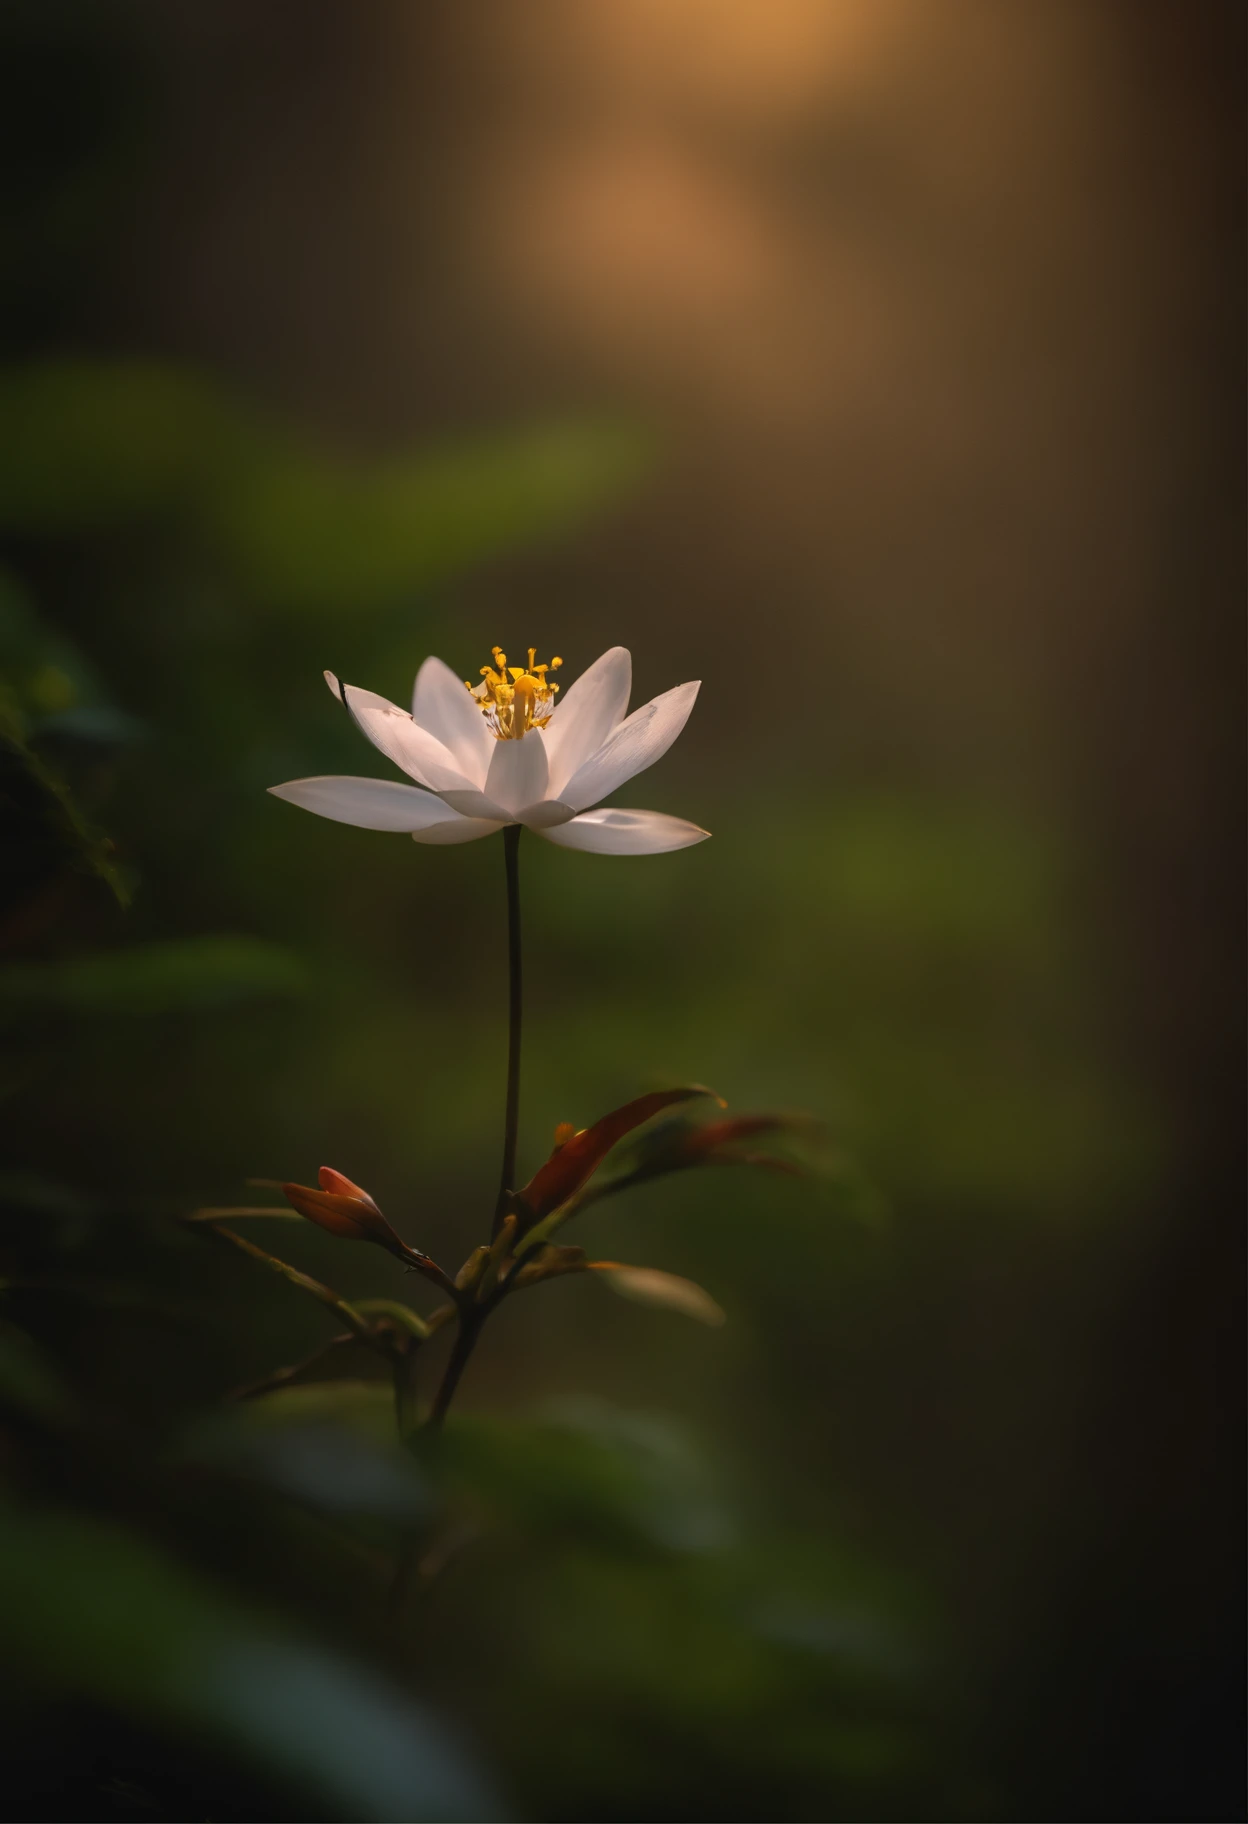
[93, 1613]
[93, 445]
[611, 1613]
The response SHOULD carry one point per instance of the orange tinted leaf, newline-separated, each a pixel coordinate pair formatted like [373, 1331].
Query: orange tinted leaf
[575, 1160]
[549, 1263]
[679, 1144]
[714, 1134]
[767, 1162]
[650, 1286]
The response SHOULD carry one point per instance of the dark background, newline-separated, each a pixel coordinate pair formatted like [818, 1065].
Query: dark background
[880, 363]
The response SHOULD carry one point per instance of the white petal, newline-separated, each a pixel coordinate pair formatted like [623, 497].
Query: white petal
[456, 829]
[620, 832]
[368, 697]
[518, 772]
[472, 803]
[392, 731]
[591, 709]
[442, 705]
[542, 815]
[636, 744]
[370, 804]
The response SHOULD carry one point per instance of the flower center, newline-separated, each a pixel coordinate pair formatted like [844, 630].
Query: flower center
[515, 698]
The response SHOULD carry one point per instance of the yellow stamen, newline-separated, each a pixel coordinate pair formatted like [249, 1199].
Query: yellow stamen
[514, 699]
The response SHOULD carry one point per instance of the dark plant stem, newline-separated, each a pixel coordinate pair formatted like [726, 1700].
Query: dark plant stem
[465, 1342]
[471, 1317]
[511, 1122]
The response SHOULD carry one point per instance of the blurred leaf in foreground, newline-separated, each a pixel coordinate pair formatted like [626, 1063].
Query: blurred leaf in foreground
[587, 1473]
[331, 1446]
[687, 1647]
[93, 1615]
[665, 1291]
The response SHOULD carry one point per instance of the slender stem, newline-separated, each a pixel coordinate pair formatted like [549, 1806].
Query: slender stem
[507, 1184]
[465, 1342]
[472, 1317]
[281, 1377]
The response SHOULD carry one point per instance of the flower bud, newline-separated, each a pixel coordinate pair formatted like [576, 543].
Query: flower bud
[345, 1210]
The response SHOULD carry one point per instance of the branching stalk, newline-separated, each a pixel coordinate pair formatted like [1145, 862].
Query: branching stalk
[470, 1322]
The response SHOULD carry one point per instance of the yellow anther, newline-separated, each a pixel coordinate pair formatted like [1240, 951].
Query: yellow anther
[514, 700]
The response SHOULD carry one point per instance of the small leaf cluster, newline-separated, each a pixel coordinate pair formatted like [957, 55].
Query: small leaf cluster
[521, 1252]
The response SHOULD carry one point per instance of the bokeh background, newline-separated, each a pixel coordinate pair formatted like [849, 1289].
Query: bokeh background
[880, 363]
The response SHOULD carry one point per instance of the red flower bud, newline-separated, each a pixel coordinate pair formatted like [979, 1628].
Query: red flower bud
[344, 1210]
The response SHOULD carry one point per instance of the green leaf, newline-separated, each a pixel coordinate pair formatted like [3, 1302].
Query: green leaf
[194, 974]
[403, 1315]
[94, 1615]
[45, 833]
[624, 1481]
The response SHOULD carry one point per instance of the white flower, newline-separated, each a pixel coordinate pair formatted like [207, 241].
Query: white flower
[504, 752]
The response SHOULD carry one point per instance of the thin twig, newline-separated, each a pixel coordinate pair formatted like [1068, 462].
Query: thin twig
[349, 1315]
[281, 1377]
